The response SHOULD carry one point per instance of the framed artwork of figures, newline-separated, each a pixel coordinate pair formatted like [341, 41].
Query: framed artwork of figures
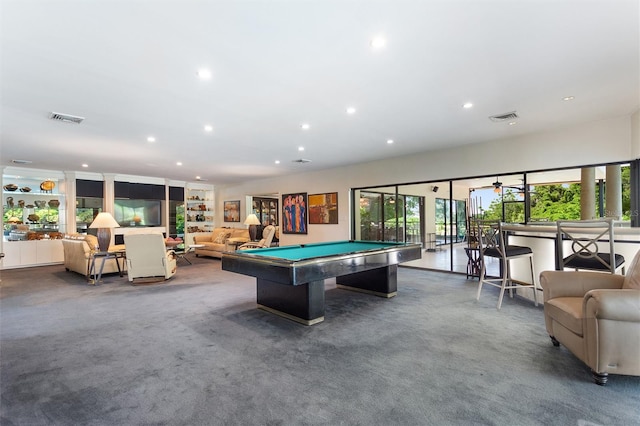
[323, 208]
[294, 213]
[232, 211]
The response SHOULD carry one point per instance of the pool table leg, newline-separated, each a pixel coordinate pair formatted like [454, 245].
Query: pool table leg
[381, 282]
[301, 303]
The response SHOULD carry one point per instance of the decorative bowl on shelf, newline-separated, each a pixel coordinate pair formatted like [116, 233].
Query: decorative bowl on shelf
[25, 189]
[54, 203]
[10, 187]
[47, 185]
[33, 217]
[40, 203]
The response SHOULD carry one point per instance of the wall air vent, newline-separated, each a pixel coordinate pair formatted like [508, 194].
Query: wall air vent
[65, 118]
[301, 161]
[504, 117]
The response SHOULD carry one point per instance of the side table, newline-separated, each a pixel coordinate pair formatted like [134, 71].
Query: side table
[94, 276]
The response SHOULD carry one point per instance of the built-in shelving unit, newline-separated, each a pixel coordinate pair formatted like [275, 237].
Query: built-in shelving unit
[199, 212]
[33, 219]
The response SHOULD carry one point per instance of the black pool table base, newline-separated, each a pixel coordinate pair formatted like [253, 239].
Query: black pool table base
[304, 303]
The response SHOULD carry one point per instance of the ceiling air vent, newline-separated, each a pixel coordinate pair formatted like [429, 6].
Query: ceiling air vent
[302, 161]
[21, 161]
[65, 118]
[504, 117]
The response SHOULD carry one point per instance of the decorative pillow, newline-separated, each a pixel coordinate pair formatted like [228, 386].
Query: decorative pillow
[222, 237]
[92, 240]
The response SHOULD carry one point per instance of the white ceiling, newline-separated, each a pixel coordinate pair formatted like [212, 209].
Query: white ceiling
[129, 67]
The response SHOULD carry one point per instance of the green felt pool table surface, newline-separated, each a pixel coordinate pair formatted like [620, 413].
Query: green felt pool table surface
[315, 250]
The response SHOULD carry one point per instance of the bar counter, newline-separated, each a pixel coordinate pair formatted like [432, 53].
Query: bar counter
[542, 238]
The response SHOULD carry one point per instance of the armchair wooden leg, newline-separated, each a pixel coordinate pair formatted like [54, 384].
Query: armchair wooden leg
[600, 378]
[554, 341]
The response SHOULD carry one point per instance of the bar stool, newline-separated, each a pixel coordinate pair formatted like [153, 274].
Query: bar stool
[491, 244]
[585, 251]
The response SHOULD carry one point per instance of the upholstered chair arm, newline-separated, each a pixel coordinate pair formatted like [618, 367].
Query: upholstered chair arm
[202, 237]
[615, 305]
[576, 283]
[612, 331]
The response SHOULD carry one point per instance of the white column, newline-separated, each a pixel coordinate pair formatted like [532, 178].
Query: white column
[613, 192]
[69, 203]
[587, 193]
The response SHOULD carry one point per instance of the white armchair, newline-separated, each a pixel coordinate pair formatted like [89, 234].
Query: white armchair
[267, 237]
[148, 257]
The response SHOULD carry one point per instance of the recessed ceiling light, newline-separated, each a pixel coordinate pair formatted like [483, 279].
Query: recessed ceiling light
[568, 98]
[277, 161]
[389, 141]
[85, 165]
[351, 110]
[512, 123]
[179, 163]
[151, 139]
[378, 42]
[197, 177]
[467, 105]
[305, 126]
[301, 148]
[208, 128]
[204, 74]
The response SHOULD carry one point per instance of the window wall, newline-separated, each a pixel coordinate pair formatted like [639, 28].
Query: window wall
[439, 215]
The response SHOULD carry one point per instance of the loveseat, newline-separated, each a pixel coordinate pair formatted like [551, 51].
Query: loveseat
[216, 242]
[77, 252]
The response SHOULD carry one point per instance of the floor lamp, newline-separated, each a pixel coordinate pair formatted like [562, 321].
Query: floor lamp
[253, 222]
[104, 222]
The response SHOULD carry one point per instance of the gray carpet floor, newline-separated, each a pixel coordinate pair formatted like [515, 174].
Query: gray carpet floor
[196, 351]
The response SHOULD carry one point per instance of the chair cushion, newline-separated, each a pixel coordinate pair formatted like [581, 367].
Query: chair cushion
[632, 277]
[593, 263]
[567, 311]
[510, 250]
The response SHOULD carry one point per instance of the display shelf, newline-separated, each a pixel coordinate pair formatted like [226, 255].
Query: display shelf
[199, 212]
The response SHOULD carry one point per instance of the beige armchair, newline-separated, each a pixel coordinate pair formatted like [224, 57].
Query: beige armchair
[267, 237]
[596, 316]
[148, 257]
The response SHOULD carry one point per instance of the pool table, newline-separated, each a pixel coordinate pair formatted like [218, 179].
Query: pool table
[290, 279]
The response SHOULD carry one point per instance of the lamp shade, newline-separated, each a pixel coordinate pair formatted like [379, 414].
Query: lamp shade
[252, 219]
[104, 220]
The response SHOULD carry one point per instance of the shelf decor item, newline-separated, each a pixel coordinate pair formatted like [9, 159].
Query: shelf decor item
[104, 222]
[47, 185]
[25, 189]
[10, 187]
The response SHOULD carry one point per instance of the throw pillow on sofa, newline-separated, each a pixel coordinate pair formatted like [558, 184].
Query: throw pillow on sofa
[92, 240]
[222, 237]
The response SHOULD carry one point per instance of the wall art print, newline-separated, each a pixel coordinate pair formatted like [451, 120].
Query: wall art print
[232, 211]
[323, 208]
[294, 213]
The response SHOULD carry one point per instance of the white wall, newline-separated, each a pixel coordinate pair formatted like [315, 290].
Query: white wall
[592, 143]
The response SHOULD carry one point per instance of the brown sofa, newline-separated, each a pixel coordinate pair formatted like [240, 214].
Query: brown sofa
[216, 242]
[77, 251]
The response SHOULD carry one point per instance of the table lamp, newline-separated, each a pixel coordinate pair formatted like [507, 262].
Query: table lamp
[253, 222]
[104, 222]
